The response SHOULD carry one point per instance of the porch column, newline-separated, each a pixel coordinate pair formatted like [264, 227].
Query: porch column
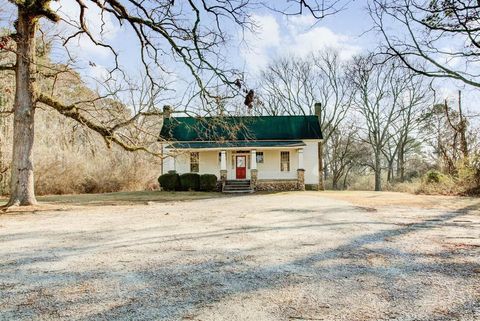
[253, 159]
[223, 160]
[300, 171]
[253, 169]
[168, 162]
[223, 167]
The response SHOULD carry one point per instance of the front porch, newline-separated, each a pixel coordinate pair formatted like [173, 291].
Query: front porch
[266, 168]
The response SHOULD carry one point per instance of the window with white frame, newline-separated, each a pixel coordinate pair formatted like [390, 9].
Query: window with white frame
[259, 157]
[194, 162]
[285, 161]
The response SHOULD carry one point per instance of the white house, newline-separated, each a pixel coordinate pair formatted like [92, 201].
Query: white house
[246, 153]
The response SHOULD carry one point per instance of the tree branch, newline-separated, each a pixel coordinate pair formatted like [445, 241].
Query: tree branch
[108, 133]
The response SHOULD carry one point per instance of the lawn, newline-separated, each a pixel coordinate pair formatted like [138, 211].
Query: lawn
[119, 198]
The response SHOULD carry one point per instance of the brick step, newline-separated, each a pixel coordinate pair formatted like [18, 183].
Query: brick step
[236, 187]
[238, 182]
[238, 191]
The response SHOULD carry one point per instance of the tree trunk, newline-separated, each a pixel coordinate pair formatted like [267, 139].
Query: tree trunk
[463, 140]
[345, 178]
[335, 180]
[462, 129]
[378, 172]
[390, 175]
[21, 185]
[401, 164]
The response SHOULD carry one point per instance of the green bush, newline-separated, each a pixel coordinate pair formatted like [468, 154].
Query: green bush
[208, 182]
[433, 176]
[170, 181]
[190, 182]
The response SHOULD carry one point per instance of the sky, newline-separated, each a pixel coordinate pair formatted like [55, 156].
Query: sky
[348, 31]
[275, 36]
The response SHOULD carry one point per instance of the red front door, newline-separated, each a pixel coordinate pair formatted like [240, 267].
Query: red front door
[241, 167]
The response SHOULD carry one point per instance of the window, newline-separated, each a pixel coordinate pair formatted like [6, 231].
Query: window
[285, 161]
[194, 162]
[260, 157]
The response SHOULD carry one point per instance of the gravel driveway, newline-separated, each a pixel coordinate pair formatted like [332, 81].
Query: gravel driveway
[287, 256]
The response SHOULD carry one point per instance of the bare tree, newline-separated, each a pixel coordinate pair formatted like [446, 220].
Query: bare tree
[288, 86]
[413, 102]
[450, 135]
[347, 153]
[459, 126]
[191, 33]
[292, 85]
[414, 106]
[379, 90]
[438, 38]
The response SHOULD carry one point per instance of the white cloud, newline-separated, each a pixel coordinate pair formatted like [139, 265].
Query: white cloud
[98, 72]
[301, 21]
[294, 36]
[266, 36]
[321, 38]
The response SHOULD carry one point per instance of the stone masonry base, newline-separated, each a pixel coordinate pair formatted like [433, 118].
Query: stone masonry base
[277, 185]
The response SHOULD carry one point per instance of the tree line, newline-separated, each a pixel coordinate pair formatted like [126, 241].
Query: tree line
[378, 116]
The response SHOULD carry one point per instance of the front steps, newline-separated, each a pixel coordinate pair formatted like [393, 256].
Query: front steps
[237, 186]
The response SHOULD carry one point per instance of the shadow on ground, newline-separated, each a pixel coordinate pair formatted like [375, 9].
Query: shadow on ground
[176, 279]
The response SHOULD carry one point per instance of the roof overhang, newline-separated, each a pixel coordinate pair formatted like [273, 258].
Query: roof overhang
[237, 144]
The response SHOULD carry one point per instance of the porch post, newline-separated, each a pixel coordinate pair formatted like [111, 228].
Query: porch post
[223, 160]
[168, 162]
[300, 171]
[253, 169]
[253, 159]
[223, 167]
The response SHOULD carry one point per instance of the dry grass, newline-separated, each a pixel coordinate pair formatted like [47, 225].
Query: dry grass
[109, 170]
[411, 187]
[61, 202]
[72, 160]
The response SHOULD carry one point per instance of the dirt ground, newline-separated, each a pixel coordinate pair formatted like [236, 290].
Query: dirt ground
[285, 256]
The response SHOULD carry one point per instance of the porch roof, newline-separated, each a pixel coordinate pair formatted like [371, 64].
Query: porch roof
[239, 144]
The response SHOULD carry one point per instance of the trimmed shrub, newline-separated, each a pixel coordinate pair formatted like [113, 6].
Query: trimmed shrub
[208, 182]
[190, 181]
[169, 182]
[433, 176]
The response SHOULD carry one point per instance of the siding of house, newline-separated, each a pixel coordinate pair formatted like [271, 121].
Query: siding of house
[208, 163]
[270, 169]
[310, 161]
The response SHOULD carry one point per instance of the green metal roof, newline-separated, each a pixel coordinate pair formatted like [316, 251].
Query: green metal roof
[231, 128]
[242, 144]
